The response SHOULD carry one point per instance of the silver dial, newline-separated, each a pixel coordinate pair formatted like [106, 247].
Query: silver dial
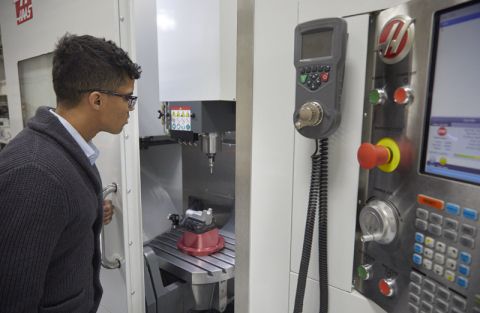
[378, 222]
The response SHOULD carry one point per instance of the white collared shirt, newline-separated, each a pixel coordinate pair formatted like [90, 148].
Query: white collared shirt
[89, 148]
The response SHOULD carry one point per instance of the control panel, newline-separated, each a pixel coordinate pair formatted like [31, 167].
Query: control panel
[417, 245]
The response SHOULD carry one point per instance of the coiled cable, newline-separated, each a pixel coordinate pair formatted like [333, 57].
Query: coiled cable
[317, 198]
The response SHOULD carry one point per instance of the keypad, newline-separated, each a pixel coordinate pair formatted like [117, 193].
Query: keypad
[319, 74]
[443, 247]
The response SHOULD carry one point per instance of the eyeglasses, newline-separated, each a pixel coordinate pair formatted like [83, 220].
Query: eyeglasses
[132, 100]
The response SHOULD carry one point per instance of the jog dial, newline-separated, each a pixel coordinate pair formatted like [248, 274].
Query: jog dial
[378, 222]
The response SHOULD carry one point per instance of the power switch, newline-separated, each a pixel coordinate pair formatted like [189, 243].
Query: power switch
[403, 95]
[365, 271]
[387, 287]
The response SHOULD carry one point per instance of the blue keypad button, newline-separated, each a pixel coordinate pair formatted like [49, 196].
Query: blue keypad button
[470, 214]
[419, 237]
[417, 259]
[465, 258]
[464, 270]
[418, 248]
[462, 282]
[452, 208]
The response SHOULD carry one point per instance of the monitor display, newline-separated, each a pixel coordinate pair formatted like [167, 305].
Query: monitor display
[317, 44]
[453, 132]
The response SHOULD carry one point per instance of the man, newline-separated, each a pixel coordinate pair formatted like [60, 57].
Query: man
[51, 202]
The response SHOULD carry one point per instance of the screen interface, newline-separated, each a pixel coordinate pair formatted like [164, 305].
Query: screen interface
[453, 146]
[317, 44]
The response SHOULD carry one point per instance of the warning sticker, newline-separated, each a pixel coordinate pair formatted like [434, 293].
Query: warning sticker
[181, 119]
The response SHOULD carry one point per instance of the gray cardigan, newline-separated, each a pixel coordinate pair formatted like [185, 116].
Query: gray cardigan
[51, 214]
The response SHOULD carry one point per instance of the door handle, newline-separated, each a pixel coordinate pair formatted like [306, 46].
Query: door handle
[106, 263]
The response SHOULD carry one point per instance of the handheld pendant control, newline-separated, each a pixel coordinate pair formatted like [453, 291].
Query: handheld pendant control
[320, 48]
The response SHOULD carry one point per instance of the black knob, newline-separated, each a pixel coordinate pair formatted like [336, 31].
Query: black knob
[160, 114]
[192, 115]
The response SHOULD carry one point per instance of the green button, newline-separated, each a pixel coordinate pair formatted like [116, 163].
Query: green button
[362, 272]
[374, 96]
[303, 78]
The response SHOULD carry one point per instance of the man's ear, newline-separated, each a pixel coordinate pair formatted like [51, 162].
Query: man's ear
[95, 100]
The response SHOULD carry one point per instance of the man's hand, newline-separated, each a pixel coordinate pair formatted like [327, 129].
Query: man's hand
[107, 211]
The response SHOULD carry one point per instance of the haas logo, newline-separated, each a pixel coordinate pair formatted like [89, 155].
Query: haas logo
[396, 39]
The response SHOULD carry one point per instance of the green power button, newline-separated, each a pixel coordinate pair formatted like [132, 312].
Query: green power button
[303, 78]
[365, 271]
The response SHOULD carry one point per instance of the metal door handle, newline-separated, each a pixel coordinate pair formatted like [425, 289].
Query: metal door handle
[106, 263]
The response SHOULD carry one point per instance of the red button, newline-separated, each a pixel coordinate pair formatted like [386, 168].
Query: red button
[386, 287]
[324, 76]
[402, 95]
[370, 155]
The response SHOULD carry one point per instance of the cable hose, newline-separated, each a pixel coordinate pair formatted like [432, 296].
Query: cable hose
[317, 198]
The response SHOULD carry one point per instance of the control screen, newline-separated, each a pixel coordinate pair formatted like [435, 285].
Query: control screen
[453, 143]
[317, 44]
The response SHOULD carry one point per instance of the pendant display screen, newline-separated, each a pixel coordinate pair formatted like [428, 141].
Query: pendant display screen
[317, 44]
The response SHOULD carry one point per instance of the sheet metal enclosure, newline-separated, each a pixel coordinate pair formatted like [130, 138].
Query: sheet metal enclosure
[400, 188]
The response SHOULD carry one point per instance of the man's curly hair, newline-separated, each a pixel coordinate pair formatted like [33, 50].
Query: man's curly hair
[88, 63]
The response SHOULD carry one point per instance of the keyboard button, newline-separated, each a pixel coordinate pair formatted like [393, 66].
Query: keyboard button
[429, 285]
[428, 253]
[453, 208]
[430, 242]
[464, 270]
[467, 242]
[442, 305]
[427, 308]
[423, 214]
[427, 264]
[462, 282]
[416, 278]
[452, 252]
[414, 299]
[421, 224]
[440, 247]
[452, 224]
[417, 259]
[439, 258]
[418, 248]
[459, 302]
[450, 276]
[435, 229]
[451, 264]
[427, 296]
[437, 269]
[412, 308]
[465, 258]
[450, 235]
[443, 293]
[414, 288]
[468, 230]
[436, 218]
[470, 214]
[419, 237]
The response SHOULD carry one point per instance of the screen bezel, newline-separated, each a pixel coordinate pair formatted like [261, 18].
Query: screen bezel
[431, 81]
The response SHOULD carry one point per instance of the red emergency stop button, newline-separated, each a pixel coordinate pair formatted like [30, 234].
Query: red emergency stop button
[403, 95]
[387, 287]
[370, 155]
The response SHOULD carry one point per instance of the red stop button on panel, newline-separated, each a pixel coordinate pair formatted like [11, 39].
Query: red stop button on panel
[324, 77]
[387, 287]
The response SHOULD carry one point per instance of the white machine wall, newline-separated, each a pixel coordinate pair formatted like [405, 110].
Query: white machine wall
[196, 46]
[38, 36]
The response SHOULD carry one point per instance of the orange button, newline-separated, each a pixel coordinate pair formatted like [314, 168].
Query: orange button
[400, 95]
[386, 287]
[434, 203]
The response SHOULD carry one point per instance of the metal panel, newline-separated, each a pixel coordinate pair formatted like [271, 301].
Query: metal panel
[343, 170]
[147, 56]
[313, 9]
[243, 165]
[404, 124]
[339, 300]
